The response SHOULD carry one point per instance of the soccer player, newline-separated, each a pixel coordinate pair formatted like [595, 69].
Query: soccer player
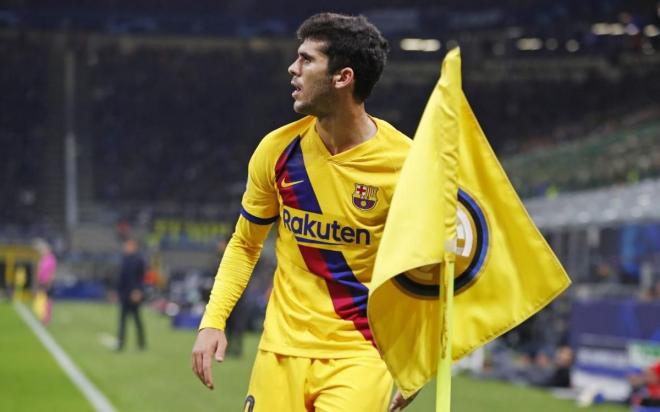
[326, 180]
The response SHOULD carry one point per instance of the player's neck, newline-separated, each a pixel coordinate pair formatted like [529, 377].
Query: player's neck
[345, 128]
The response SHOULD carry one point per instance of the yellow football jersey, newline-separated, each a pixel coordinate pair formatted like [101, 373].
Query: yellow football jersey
[331, 211]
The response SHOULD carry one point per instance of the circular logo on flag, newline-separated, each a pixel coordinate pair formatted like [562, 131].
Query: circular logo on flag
[472, 237]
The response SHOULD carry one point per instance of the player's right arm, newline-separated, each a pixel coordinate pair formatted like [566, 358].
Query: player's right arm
[238, 261]
[259, 209]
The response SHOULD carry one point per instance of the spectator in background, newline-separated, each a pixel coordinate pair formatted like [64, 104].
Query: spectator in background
[563, 362]
[130, 290]
[646, 386]
[45, 276]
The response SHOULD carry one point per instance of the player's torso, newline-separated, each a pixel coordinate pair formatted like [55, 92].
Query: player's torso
[332, 216]
[336, 203]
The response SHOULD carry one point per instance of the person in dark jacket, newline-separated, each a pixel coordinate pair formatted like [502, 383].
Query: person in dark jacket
[130, 291]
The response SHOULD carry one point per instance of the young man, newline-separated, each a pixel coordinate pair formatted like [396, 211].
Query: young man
[130, 291]
[328, 178]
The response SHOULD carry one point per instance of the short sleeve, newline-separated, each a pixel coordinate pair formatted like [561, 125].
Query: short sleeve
[260, 203]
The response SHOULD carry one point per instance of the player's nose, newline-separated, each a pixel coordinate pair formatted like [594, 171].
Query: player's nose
[293, 68]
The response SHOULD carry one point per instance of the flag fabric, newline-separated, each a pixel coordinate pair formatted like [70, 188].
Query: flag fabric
[453, 196]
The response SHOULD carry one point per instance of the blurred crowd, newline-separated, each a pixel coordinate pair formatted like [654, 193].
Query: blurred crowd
[159, 132]
[620, 151]
[23, 117]
[173, 122]
[426, 17]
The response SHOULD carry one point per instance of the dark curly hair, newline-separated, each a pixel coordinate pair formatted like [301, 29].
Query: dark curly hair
[351, 41]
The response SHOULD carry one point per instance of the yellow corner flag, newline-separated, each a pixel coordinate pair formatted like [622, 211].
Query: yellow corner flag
[454, 197]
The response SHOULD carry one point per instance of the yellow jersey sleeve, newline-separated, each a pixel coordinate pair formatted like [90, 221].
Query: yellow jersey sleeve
[238, 261]
[260, 207]
[260, 203]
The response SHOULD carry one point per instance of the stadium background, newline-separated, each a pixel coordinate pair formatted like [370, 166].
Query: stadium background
[138, 118]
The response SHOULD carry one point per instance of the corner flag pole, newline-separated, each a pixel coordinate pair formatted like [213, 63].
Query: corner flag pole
[446, 300]
[450, 133]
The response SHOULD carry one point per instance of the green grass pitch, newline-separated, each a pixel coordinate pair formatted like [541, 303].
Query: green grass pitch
[30, 379]
[160, 379]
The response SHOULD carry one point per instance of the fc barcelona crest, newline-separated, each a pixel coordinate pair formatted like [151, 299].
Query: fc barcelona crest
[365, 197]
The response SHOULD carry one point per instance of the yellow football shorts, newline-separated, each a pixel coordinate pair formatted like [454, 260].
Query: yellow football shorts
[291, 384]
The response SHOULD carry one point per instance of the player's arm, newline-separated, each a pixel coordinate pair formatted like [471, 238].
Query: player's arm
[259, 209]
[238, 262]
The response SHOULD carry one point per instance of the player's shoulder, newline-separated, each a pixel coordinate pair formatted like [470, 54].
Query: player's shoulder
[274, 143]
[393, 136]
[281, 137]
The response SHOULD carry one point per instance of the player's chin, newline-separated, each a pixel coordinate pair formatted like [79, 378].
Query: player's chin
[301, 107]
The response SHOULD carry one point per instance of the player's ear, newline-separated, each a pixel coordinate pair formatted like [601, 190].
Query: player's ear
[343, 77]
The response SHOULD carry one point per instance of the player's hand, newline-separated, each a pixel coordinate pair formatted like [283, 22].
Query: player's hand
[211, 343]
[399, 402]
[136, 296]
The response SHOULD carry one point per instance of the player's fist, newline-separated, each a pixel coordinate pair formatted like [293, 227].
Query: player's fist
[210, 343]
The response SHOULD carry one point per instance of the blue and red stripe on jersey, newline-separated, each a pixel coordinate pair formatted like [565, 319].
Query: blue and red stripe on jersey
[290, 167]
[349, 296]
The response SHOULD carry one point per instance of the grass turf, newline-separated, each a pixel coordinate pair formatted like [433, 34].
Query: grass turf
[30, 379]
[160, 378]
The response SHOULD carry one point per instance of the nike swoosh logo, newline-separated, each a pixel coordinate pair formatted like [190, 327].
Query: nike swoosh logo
[286, 184]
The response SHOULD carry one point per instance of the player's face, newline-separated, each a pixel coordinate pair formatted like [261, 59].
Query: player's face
[312, 84]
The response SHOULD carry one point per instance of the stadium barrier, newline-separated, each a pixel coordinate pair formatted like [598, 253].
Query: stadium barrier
[613, 339]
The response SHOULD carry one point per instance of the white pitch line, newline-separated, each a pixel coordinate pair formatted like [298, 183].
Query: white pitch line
[95, 397]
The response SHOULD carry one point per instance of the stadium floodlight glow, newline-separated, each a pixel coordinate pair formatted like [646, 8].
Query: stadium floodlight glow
[600, 29]
[651, 30]
[617, 29]
[572, 45]
[614, 29]
[529, 43]
[631, 30]
[424, 45]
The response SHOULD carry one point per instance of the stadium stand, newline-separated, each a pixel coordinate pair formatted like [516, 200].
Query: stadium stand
[165, 98]
[612, 155]
[176, 109]
[22, 118]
